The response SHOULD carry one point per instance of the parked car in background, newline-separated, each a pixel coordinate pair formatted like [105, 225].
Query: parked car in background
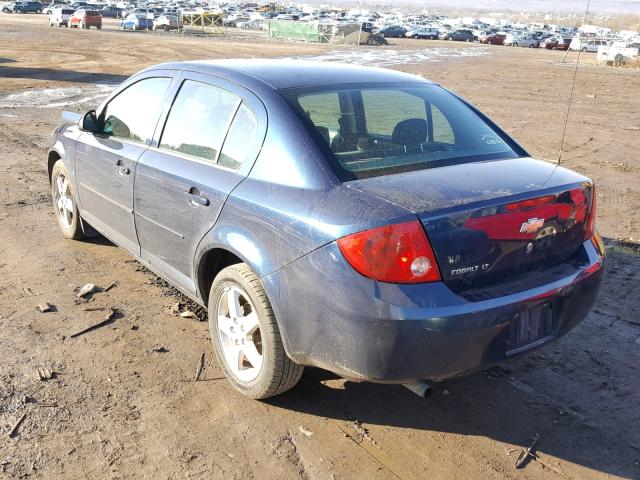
[145, 12]
[460, 35]
[167, 21]
[590, 45]
[520, 41]
[392, 31]
[410, 239]
[78, 5]
[60, 17]
[8, 7]
[136, 21]
[555, 43]
[28, 7]
[48, 9]
[234, 21]
[493, 39]
[85, 18]
[423, 32]
[254, 24]
[111, 12]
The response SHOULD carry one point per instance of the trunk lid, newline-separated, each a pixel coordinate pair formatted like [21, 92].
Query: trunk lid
[489, 222]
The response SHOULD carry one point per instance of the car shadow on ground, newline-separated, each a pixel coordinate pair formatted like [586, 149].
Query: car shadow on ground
[577, 394]
[483, 405]
[58, 75]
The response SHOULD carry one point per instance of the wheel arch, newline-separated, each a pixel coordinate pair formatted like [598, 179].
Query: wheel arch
[211, 262]
[52, 157]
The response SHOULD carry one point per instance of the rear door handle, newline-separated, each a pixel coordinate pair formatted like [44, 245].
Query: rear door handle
[195, 198]
[121, 169]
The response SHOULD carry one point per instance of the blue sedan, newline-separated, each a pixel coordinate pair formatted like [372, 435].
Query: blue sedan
[136, 21]
[361, 220]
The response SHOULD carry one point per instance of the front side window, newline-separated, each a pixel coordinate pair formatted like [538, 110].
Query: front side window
[198, 120]
[134, 112]
[380, 130]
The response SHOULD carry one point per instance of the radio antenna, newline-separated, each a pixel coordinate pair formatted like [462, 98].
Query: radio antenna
[573, 84]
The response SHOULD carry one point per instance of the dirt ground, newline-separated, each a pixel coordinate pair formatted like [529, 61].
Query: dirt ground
[122, 402]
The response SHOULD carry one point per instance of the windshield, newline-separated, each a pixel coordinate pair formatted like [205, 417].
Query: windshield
[380, 130]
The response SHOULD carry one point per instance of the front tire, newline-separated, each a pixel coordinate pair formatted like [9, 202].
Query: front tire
[64, 202]
[246, 336]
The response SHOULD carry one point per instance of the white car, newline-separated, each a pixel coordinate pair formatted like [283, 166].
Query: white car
[168, 21]
[51, 8]
[591, 45]
[60, 17]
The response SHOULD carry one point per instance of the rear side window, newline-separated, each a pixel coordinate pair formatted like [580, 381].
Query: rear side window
[198, 120]
[134, 112]
[240, 140]
[381, 130]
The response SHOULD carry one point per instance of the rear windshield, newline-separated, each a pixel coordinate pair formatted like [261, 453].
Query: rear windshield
[374, 130]
[67, 12]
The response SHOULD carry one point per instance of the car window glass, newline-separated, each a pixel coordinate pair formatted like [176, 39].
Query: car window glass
[380, 118]
[324, 111]
[134, 112]
[241, 138]
[442, 131]
[198, 120]
[385, 130]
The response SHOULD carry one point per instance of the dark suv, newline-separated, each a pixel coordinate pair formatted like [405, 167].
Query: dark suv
[460, 35]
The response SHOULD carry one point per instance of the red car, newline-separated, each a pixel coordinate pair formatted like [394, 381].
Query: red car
[493, 39]
[556, 43]
[84, 18]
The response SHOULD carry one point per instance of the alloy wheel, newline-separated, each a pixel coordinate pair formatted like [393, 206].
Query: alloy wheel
[64, 201]
[239, 334]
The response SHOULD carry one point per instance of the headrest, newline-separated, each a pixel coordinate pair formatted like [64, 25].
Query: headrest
[410, 132]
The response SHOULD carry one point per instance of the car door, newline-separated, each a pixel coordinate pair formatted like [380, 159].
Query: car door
[211, 136]
[106, 160]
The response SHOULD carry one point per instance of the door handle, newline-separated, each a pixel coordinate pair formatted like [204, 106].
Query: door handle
[195, 198]
[121, 169]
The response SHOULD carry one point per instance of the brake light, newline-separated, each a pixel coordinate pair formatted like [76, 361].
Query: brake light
[399, 253]
[591, 222]
[529, 203]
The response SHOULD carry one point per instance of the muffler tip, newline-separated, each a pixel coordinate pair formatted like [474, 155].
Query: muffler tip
[422, 389]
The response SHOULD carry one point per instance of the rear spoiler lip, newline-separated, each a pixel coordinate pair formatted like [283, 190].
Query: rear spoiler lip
[70, 117]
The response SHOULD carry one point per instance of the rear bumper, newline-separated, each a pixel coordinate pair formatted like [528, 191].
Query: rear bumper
[334, 318]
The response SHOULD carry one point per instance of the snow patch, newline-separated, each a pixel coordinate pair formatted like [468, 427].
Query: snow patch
[56, 97]
[385, 57]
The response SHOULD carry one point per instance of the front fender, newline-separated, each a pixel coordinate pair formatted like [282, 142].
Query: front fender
[63, 146]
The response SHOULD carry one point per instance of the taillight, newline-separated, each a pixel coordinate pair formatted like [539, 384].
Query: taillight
[530, 203]
[399, 253]
[591, 222]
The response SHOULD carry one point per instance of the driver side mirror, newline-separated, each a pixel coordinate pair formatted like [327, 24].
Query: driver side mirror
[89, 122]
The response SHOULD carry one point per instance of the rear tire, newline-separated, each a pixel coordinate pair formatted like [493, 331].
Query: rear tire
[65, 207]
[240, 311]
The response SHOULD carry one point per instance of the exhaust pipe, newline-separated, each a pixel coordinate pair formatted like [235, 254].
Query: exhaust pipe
[422, 389]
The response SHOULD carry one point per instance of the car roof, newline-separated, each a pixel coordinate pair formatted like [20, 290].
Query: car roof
[289, 73]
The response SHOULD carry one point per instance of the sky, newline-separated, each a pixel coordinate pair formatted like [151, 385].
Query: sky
[528, 6]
